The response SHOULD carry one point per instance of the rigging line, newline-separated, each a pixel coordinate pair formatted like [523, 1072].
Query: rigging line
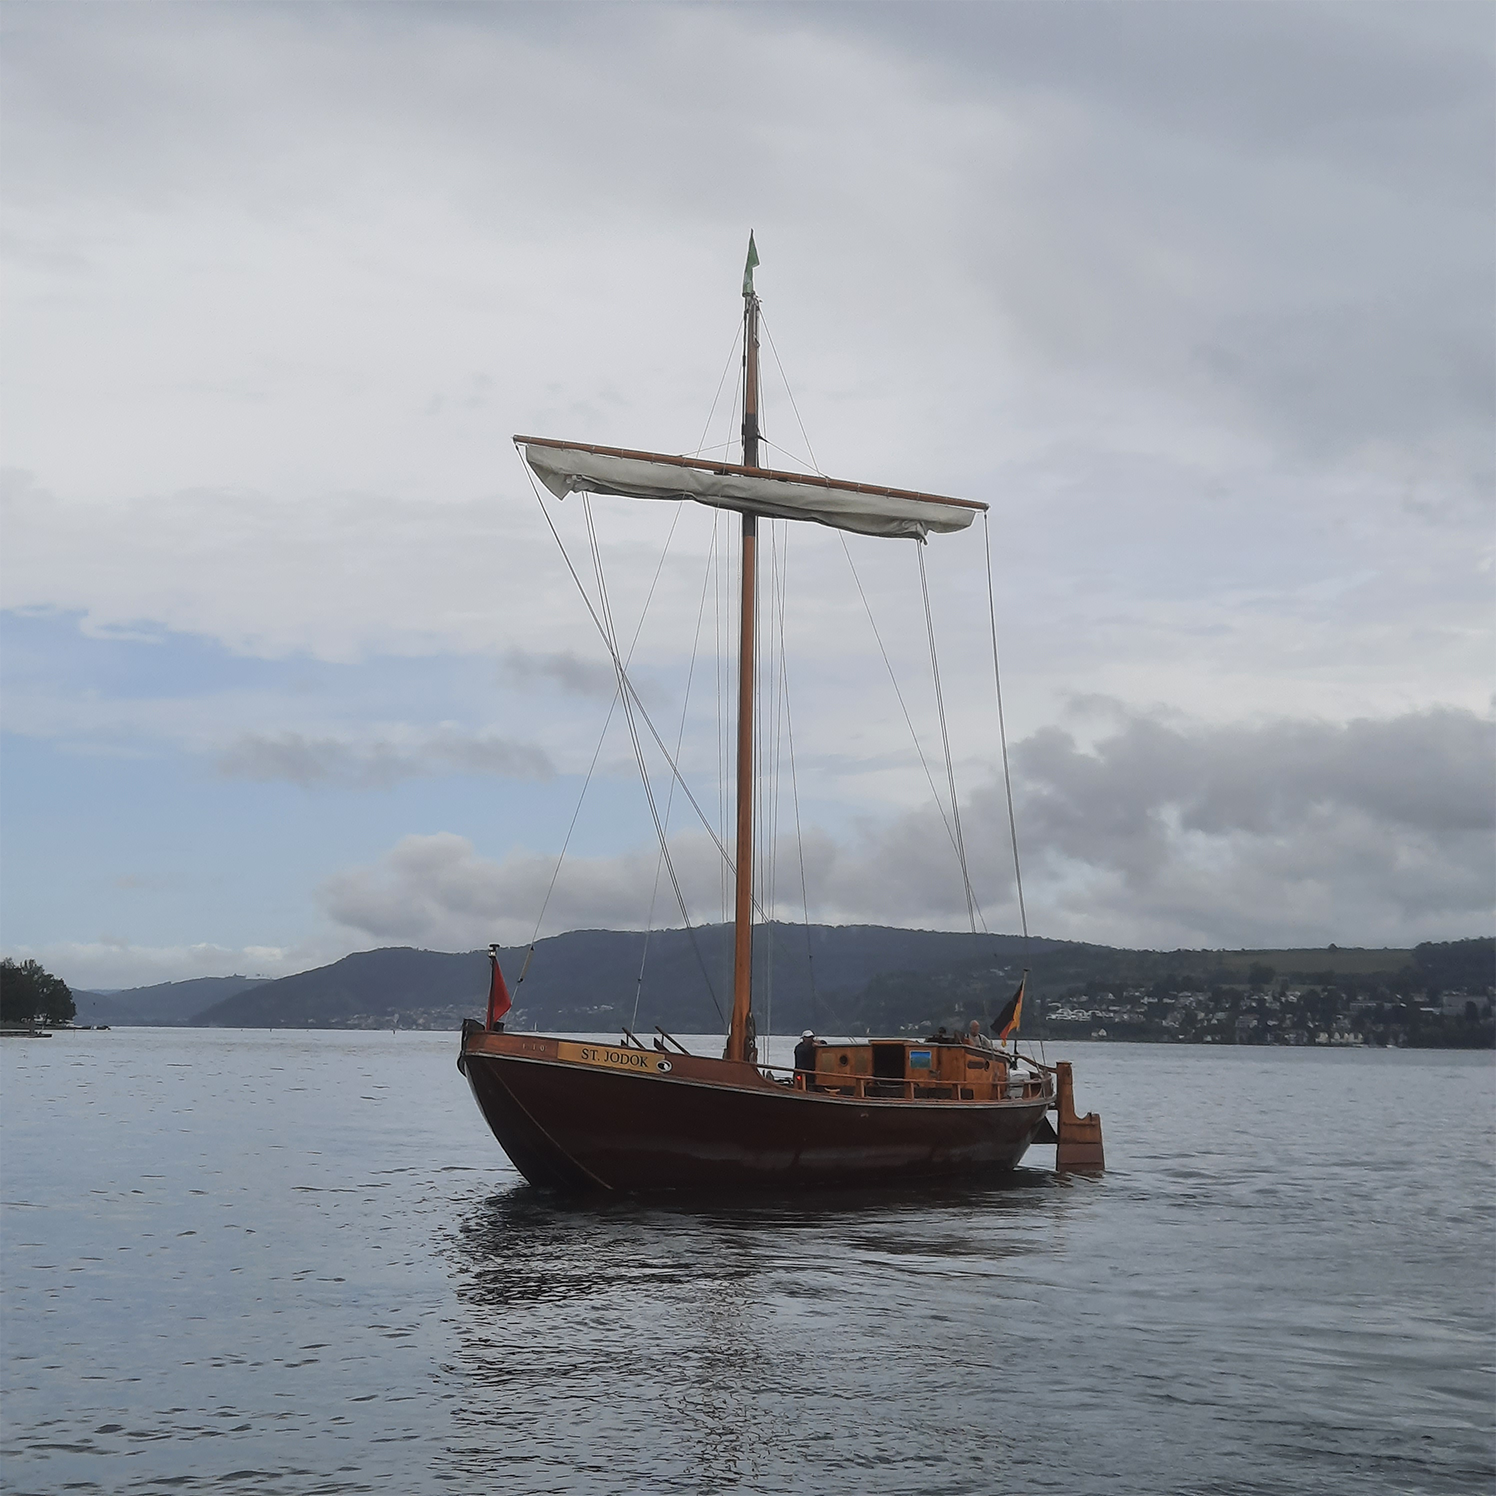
[622, 666]
[789, 733]
[680, 737]
[680, 898]
[556, 872]
[596, 752]
[643, 769]
[789, 730]
[763, 723]
[778, 562]
[760, 798]
[729, 565]
[783, 678]
[718, 629]
[732, 415]
[602, 591]
[950, 771]
[764, 323]
[731, 556]
[793, 456]
[1002, 729]
[1002, 735]
[655, 582]
[706, 429]
[908, 720]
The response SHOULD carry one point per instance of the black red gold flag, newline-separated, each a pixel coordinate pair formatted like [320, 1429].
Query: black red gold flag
[1008, 1020]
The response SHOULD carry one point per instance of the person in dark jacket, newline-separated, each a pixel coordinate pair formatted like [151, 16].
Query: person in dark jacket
[805, 1058]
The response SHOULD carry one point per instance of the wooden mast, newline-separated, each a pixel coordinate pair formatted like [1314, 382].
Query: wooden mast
[738, 1044]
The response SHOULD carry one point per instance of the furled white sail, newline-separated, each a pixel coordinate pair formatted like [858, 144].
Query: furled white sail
[570, 467]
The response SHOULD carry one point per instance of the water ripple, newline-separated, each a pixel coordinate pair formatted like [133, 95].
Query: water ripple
[226, 1272]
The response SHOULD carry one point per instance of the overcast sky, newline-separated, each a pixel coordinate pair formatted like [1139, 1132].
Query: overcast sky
[1199, 298]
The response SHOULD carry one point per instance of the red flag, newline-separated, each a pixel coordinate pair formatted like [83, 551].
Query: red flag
[499, 1001]
[1008, 1020]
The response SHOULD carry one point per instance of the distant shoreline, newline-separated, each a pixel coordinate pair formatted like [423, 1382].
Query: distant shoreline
[870, 980]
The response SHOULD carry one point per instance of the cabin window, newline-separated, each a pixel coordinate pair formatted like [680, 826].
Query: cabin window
[888, 1061]
[920, 1059]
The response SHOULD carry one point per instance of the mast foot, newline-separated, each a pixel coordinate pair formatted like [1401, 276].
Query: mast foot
[1079, 1149]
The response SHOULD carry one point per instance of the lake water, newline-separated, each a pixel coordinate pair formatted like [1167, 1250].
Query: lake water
[297, 1262]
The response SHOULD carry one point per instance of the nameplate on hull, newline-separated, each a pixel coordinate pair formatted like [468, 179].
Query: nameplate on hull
[610, 1057]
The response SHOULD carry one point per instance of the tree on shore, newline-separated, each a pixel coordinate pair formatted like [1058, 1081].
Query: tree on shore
[29, 991]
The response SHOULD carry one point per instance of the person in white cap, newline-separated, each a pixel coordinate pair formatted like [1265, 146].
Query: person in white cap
[805, 1057]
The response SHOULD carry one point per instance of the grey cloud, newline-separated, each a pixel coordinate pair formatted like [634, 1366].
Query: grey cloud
[1379, 830]
[1161, 834]
[563, 668]
[501, 757]
[1394, 91]
[1245, 200]
[331, 761]
[1278, 211]
[1427, 772]
[1171, 833]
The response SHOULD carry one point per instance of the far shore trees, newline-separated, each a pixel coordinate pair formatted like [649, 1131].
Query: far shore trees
[28, 991]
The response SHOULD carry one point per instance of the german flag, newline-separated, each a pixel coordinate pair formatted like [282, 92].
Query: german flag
[1008, 1020]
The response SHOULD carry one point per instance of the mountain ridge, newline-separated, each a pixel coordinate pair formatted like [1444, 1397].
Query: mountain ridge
[586, 979]
[161, 1004]
[832, 978]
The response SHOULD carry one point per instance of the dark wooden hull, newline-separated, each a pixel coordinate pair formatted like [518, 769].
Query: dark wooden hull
[687, 1122]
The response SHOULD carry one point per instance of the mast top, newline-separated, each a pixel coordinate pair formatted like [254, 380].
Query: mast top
[748, 268]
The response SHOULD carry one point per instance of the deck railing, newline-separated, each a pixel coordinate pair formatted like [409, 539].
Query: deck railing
[885, 1088]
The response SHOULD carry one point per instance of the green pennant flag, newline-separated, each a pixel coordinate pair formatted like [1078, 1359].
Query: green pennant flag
[748, 268]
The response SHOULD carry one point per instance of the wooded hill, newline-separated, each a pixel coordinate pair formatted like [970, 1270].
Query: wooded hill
[164, 1005]
[833, 978]
[590, 980]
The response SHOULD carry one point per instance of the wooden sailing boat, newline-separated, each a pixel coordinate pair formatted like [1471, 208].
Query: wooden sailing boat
[580, 1116]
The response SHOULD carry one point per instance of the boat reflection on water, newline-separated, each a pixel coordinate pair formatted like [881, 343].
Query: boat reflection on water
[694, 1335]
[529, 1246]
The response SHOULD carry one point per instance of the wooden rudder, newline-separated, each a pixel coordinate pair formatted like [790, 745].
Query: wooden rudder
[1079, 1148]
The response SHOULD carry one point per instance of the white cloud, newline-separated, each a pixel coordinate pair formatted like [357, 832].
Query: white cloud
[112, 963]
[438, 891]
[337, 580]
[1163, 834]
[1200, 300]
